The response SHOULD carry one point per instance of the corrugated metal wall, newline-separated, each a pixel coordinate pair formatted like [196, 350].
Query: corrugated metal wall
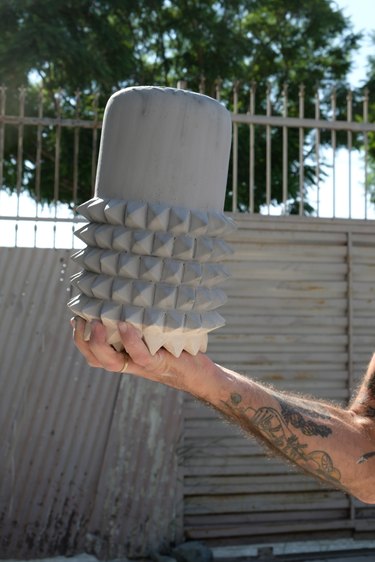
[88, 459]
[92, 461]
[300, 316]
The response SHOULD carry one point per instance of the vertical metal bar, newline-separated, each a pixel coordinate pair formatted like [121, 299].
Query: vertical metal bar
[268, 150]
[56, 183]
[350, 146]
[202, 84]
[235, 151]
[38, 160]
[333, 143]
[366, 145]
[57, 150]
[94, 143]
[285, 149]
[2, 133]
[21, 113]
[317, 152]
[301, 145]
[76, 151]
[218, 89]
[350, 381]
[251, 149]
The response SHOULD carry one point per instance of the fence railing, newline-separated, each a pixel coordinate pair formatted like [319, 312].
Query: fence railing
[309, 155]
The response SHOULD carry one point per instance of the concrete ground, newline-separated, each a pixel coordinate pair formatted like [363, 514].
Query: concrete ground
[343, 550]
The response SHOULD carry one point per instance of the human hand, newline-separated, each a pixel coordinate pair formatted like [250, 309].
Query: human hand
[180, 373]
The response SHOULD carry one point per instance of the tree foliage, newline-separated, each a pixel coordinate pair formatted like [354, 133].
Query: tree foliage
[103, 45]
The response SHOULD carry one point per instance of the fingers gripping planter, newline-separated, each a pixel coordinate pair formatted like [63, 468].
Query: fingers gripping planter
[156, 227]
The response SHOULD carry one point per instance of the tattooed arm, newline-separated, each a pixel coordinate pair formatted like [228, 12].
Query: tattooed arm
[333, 444]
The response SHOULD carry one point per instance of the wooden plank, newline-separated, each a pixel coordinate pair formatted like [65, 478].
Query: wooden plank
[202, 533]
[286, 270]
[275, 306]
[253, 518]
[288, 289]
[287, 324]
[265, 502]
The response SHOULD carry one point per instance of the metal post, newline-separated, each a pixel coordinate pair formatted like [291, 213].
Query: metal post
[301, 145]
[350, 146]
[235, 151]
[285, 149]
[251, 149]
[268, 150]
[317, 152]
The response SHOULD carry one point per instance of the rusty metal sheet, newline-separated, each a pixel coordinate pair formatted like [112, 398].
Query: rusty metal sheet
[64, 456]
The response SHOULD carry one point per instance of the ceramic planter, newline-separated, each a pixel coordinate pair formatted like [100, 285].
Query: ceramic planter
[156, 227]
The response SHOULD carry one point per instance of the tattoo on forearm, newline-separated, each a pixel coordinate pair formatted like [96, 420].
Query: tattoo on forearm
[275, 428]
[295, 416]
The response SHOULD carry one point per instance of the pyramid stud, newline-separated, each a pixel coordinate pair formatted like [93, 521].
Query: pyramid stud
[165, 296]
[122, 290]
[111, 311]
[114, 211]
[86, 307]
[128, 266]
[157, 216]
[143, 293]
[163, 244]
[122, 240]
[84, 282]
[198, 223]
[185, 297]
[136, 214]
[93, 210]
[153, 329]
[142, 242]
[184, 247]
[89, 259]
[172, 271]
[109, 262]
[133, 315]
[87, 234]
[204, 248]
[102, 287]
[212, 320]
[192, 273]
[150, 268]
[179, 220]
[174, 321]
[103, 236]
[195, 343]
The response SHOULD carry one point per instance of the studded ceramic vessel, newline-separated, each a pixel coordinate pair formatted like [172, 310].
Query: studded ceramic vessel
[156, 227]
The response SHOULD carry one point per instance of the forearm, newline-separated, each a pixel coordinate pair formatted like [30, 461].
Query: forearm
[330, 443]
[321, 439]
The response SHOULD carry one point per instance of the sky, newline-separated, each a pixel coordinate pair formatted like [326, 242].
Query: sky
[362, 15]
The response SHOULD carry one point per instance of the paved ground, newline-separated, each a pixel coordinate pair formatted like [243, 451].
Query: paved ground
[344, 550]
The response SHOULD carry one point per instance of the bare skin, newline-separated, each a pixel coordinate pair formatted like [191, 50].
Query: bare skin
[334, 444]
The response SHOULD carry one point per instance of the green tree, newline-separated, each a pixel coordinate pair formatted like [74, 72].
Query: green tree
[103, 45]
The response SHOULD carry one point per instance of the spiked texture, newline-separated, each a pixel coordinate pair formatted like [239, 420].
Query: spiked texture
[154, 266]
[150, 259]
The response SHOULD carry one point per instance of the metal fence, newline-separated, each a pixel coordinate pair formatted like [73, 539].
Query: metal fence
[277, 143]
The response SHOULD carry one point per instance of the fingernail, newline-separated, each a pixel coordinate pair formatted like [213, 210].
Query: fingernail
[73, 322]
